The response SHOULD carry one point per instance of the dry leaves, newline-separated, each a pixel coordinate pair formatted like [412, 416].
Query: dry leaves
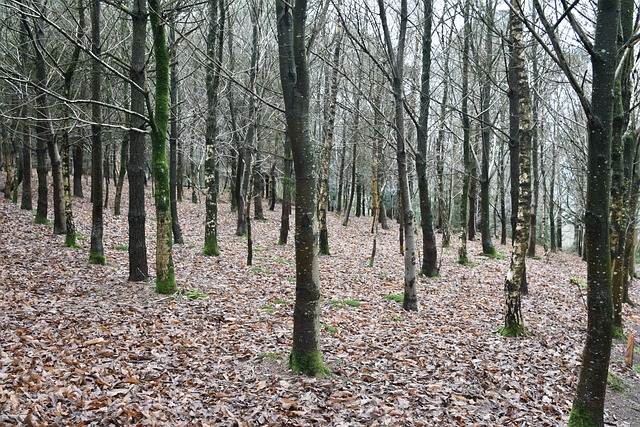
[80, 345]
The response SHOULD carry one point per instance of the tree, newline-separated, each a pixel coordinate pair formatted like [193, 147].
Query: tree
[306, 356]
[466, 138]
[96, 253]
[174, 133]
[514, 282]
[214, 63]
[429, 248]
[159, 120]
[138, 266]
[588, 403]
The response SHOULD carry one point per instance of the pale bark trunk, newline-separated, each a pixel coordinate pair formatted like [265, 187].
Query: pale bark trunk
[516, 276]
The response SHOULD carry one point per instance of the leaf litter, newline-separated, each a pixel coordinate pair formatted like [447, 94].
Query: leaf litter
[80, 345]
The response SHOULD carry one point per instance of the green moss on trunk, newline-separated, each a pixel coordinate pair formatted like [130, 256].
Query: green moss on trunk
[309, 363]
[211, 246]
[97, 258]
[618, 333]
[581, 417]
[40, 219]
[167, 285]
[513, 330]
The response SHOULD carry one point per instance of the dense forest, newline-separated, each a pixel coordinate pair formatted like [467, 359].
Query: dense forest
[440, 144]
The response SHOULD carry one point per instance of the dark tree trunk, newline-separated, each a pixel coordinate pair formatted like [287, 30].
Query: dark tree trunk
[306, 356]
[138, 266]
[343, 155]
[272, 188]
[352, 191]
[78, 160]
[258, 191]
[358, 196]
[429, 265]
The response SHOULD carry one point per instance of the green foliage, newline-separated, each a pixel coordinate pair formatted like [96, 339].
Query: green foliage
[42, 220]
[256, 250]
[272, 356]
[398, 319]
[308, 363]
[615, 382]
[581, 417]
[279, 301]
[336, 303]
[98, 259]
[395, 297]
[536, 257]
[495, 255]
[382, 276]
[195, 294]
[282, 260]
[324, 250]
[513, 331]
[191, 245]
[579, 282]
[329, 328]
[636, 369]
[122, 247]
[70, 242]
[268, 308]
[352, 303]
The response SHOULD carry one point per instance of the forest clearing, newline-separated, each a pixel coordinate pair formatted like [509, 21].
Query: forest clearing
[82, 346]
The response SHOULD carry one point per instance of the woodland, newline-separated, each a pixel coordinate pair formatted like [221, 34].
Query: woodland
[319, 212]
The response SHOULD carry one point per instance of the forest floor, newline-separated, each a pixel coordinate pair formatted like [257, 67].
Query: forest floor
[79, 345]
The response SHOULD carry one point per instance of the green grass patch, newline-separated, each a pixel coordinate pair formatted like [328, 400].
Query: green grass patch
[329, 328]
[282, 260]
[394, 297]
[122, 247]
[272, 356]
[191, 246]
[382, 276]
[536, 257]
[336, 303]
[291, 279]
[268, 309]
[580, 282]
[194, 294]
[398, 319]
[352, 303]
[495, 255]
[279, 301]
[636, 369]
[80, 236]
[615, 382]
[513, 331]
[258, 270]
[256, 250]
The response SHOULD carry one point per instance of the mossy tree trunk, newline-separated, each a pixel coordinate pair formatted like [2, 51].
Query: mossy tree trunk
[138, 265]
[165, 277]
[214, 62]
[96, 252]
[516, 275]
[306, 356]
[429, 265]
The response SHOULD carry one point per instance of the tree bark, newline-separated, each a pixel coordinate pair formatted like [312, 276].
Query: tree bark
[516, 276]
[96, 252]
[306, 356]
[165, 277]
[138, 265]
[174, 135]
[286, 192]
[215, 40]
[466, 138]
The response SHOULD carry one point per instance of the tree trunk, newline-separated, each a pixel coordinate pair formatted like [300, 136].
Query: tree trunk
[343, 155]
[486, 135]
[588, 403]
[78, 160]
[26, 201]
[165, 277]
[330, 96]
[306, 356]
[124, 164]
[466, 139]
[286, 193]
[443, 215]
[272, 188]
[215, 40]
[410, 302]
[516, 276]
[138, 266]
[174, 136]
[352, 191]
[96, 252]
[429, 265]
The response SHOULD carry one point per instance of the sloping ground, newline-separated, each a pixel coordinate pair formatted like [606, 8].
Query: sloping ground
[81, 346]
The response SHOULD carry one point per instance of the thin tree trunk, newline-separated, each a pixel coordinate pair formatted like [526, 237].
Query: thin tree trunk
[343, 155]
[96, 252]
[174, 135]
[286, 193]
[443, 216]
[352, 191]
[466, 139]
